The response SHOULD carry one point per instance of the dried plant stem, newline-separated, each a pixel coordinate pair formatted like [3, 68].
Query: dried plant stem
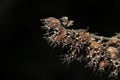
[100, 52]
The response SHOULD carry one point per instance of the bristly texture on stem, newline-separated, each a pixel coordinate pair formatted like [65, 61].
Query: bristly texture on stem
[101, 53]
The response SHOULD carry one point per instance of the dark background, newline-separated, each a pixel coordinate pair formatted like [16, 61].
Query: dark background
[26, 56]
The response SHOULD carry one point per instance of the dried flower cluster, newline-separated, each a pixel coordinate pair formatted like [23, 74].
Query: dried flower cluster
[101, 53]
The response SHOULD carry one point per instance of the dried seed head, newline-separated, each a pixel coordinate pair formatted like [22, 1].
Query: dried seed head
[52, 22]
[99, 51]
[94, 44]
[113, 41]
[66, 22]
[103, 64]
[61, 34]
[113, 52]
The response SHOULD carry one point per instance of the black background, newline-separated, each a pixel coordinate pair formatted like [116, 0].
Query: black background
[26, 56]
